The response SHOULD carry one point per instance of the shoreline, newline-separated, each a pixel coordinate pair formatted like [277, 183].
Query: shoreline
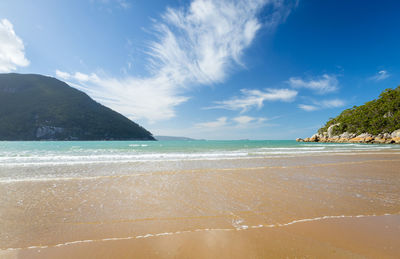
[371, 141]
[336, 237]
[237, 228]
[348, 137]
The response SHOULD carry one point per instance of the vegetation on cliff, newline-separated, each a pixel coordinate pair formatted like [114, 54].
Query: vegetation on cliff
[35, 107]
[377, 116]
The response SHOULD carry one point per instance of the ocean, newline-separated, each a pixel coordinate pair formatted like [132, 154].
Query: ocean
[30, 160]
[31, 153]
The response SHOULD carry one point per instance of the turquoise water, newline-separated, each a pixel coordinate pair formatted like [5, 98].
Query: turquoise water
[81, 152]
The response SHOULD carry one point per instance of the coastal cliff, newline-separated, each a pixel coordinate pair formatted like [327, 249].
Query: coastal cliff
[377, 122]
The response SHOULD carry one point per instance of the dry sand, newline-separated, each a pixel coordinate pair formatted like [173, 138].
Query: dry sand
[299, 207]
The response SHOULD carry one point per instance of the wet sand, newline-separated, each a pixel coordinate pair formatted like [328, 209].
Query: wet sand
[302, 206]
[372, 237]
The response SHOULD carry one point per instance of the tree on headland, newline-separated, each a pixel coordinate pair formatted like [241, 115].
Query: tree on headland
[377, 116]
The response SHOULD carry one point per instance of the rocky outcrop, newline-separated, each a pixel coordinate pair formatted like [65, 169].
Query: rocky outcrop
[347, 137]
[330, 130]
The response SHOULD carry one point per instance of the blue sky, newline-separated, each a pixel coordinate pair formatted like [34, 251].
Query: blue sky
[214, 69]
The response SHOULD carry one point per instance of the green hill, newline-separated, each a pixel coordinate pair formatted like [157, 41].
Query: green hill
[375, 117]
[36, 107]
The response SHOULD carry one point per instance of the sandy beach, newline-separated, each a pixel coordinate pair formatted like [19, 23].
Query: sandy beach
[331, 205]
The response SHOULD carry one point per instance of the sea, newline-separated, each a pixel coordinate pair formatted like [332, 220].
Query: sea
[32, 153]
[97, 157]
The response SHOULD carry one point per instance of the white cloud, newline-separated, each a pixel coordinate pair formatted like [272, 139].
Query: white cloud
[317, 105]
[12, 51]
[244, 119]
[124, 4]
[334, 103]
[308, 107]
[323, 84]
[195, 45]
[253, 98]
[232, 124]
[381, 75]
[201, 43]
[247, 121]
[150, 98]
[63, 75]
[220, 122]
[240, 127]
[78, 76]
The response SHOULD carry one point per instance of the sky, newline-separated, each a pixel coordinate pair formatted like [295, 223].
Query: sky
[211, 69]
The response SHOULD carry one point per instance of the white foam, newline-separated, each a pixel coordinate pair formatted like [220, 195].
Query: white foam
[150, 235]
[77, 155]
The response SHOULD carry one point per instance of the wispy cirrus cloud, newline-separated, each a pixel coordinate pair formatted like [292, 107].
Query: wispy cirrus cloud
[253, 98]
[324, 104]
[12, 50]
[124, 4]
[248, 121]
[196, 45]
[218, 123]
[333, 103]
[239, 127]
[381, 75]
[226, 123]
[150, 98]
[321, 85]
[77, 76]
[308, 107]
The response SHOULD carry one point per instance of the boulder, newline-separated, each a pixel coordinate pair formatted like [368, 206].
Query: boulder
[330, 130]
[300, 140]
[380, 140]
[345, 136]
[395, 134]
[386, 135]
[362, 138]
[323, 138]
[368, 139]
[364, 135]
[314, 138]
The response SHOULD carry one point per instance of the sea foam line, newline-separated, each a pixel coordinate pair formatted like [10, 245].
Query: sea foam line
[236, 228]
[55, 160]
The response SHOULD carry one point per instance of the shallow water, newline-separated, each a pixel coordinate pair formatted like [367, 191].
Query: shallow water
[70, 152]
[43, 160]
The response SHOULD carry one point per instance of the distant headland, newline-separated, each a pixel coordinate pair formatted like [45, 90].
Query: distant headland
[377, 121]
[37, 107]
